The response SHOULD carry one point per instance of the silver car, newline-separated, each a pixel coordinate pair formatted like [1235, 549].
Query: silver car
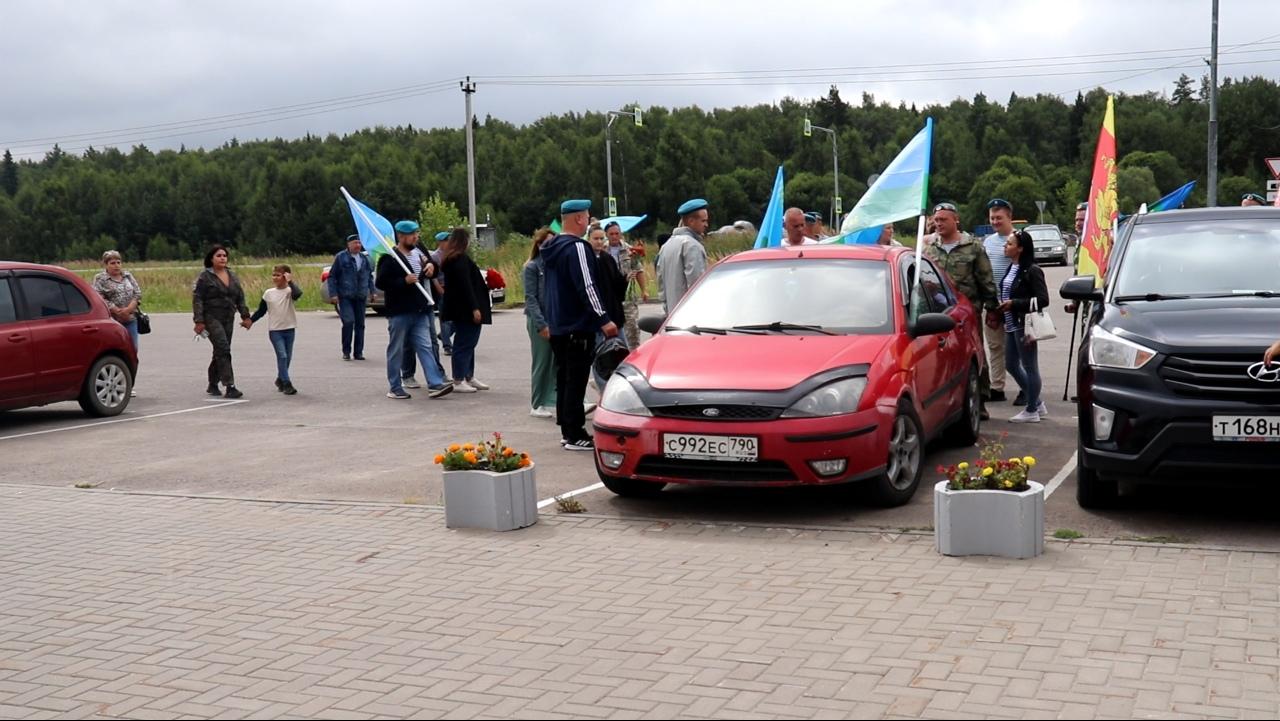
[1051, 247]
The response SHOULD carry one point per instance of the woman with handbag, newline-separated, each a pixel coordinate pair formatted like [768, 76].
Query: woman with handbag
[1023, 297]
[122, 293]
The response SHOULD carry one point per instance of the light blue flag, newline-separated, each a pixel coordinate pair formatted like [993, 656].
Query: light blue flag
[770, 235]
[376, 235]
[1173, 200]
[626, 223]
[866, 236]
[901, 191]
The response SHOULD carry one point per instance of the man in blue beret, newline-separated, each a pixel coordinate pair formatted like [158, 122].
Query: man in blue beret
[409, 309]
[575, 312]
[683, 259]
[350, 284]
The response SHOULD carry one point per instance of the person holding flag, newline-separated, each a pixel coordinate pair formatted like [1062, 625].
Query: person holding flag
[351, 283]
[409, 311]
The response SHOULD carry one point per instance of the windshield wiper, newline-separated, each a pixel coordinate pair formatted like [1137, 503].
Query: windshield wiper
[1245, 294]
[697, 330]
[779, 326]
[1149, 297]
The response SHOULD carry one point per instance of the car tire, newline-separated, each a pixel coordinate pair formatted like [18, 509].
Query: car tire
[630, 487]
[106, 387]
[1093, 491]
[964, 432]
[905, 462]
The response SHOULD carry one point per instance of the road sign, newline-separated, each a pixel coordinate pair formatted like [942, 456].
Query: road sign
[1273, 187]
[1274, 165]
[639, 116]
[613, 207]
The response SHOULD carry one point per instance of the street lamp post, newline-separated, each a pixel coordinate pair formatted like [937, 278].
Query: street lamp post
[611, 201]
[835, 164]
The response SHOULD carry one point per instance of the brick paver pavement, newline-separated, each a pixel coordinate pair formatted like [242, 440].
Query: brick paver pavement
[138, 606]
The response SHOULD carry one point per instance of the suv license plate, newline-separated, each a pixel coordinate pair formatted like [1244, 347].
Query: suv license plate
[710, 448]
[1246, 428]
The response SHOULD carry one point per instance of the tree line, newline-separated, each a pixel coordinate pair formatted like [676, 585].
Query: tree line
[280, 197]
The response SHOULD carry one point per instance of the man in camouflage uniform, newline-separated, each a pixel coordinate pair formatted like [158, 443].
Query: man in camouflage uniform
[632, 268]
[965, 260]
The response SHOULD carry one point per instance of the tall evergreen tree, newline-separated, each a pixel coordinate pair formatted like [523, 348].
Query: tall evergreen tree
[9, 175]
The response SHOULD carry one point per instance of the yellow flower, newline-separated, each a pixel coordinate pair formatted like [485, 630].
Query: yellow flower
[455, 448]
[987, 471]
[963, 466]
[469, 457]
[1015, 461]
[439, 459]
[1029, 461]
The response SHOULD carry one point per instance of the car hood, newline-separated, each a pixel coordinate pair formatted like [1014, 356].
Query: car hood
[1210, 324]
[747, 362]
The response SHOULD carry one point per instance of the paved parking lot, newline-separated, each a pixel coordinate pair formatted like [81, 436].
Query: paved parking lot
[340, 439]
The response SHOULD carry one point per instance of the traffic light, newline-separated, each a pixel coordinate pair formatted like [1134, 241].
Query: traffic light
[808, 128]
[639, 121]
[839, 205]
[613, 207]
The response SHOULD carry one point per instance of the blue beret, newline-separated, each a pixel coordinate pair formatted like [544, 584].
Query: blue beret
[442, 236]
[574, 206]
[690, 206]
[406, 226]
[353, 236]
[811, 217]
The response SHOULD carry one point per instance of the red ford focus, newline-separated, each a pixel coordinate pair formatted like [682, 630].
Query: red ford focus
[784, 367]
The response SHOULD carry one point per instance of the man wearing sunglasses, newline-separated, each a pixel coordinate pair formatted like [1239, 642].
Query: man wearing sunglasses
[966, 261]
[1000, 216]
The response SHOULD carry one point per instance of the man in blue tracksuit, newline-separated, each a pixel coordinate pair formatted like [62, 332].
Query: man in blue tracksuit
[575, 312]
[350, 283]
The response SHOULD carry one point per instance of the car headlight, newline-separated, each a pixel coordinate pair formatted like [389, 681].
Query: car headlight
[832, 399]
[620, 397]
[1111, 351]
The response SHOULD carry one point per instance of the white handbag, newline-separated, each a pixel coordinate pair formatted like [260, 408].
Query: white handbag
[1039, 325]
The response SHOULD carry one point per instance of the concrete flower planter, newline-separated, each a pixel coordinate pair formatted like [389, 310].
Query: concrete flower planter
[496, 501]
[989, 523]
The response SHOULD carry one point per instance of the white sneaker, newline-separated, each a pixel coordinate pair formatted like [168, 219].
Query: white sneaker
[1042, 410]
[587, 408]
[463, 387]
[410, 382]
[540, 412]
[478, 385]
[1025, 417]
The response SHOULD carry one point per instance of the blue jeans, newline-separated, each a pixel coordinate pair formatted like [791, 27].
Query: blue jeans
[1023, 363]
[282, 341]
[466, 336]
[415, 330]
[351, 311]
[410, 365]
[446, 334]
[132, 327]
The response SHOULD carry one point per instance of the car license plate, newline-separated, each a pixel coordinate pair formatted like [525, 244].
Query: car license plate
[1246, 428]
[710, 448]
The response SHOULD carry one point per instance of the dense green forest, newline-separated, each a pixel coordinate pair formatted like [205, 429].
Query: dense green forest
[280, 197]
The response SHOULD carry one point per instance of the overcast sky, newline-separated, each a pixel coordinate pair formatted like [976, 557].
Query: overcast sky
[199, 73]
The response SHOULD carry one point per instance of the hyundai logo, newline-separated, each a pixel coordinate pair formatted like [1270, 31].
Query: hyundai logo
[715, 412]
[1261, 373]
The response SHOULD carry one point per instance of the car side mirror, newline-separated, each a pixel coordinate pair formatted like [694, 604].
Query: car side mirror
[651, 323]
[1081, 287]
[932, 324]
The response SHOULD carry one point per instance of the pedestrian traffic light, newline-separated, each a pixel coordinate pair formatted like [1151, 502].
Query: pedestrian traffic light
[839, 205]
[613, 207]
[808, 128]
[639, 121]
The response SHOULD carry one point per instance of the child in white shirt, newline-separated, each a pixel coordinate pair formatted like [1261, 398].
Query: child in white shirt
[277, 305]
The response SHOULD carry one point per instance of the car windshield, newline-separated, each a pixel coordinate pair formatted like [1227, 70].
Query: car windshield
[834, 294]
[1042, 235]
[1211, 257]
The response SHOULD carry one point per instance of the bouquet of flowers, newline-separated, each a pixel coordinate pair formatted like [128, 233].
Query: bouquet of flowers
[491, 455]
[991, 471]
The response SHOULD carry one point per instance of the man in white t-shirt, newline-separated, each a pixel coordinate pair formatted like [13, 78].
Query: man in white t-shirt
[793, 229]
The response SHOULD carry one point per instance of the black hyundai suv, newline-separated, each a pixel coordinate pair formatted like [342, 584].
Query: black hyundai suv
[1170, 379]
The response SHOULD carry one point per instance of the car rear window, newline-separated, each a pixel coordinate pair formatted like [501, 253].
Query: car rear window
[8, 310]
[47, 297]
[1205, 257]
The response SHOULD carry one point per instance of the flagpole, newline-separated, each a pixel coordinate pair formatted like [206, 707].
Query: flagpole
[407, 270]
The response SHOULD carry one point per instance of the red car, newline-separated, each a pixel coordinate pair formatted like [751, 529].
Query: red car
[59, 343]
[784, 367]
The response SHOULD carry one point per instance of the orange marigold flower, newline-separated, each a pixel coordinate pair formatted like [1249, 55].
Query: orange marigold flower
[468, 447]
[439, 459]
[507, 452]
[469, 457]
[525, 462]
[455, 448]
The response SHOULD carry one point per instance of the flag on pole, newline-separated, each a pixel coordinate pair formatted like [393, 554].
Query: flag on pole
[901, 191]
[1173, 200]
[770, 234]
[1100, 220]
[376, 234]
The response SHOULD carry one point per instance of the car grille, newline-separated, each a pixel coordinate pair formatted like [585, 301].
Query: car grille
[720, 471]
[1221, 376]
[721, 412]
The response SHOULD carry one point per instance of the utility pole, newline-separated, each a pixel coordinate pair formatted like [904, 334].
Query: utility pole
[468, 88]
[1212, 188]
[836, 208]
[610, 201]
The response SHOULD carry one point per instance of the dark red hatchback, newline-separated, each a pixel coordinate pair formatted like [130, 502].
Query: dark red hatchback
[59, 343]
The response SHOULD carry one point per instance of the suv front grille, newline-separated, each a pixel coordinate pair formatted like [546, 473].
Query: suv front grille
[720, 412]
[1220, 375]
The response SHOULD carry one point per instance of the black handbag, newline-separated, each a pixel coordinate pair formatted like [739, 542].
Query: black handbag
[144, 321]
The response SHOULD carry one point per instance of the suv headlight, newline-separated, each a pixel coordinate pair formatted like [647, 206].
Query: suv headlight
[620, 397]
[832, 399]
[1111, 351]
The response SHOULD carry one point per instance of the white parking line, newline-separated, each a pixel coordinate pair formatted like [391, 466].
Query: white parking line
[121, 420]
[570, 494]
[1057, 480]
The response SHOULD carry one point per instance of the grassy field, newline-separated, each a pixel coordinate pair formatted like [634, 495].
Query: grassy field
[166, 285]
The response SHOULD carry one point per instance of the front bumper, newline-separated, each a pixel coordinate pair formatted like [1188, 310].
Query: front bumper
[784, 451]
